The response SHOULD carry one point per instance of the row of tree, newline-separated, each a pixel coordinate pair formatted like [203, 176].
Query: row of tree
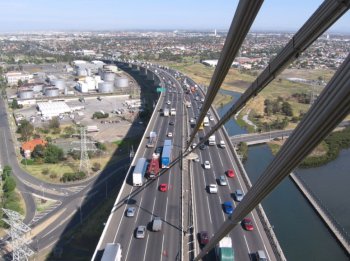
[10, 199]
[278, 106]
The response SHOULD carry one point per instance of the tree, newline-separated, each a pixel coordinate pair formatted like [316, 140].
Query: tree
[53, 154]
[9, 184]
[6, 172]
[26, 129]
[54, 123]
[96, 166]
[38, 151]
[15, 105]
[287, 109]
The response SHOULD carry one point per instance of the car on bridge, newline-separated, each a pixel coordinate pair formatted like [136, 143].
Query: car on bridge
[170, 134]
[213, 188]
[222, 181]
[140, 232]
[228, 207]
[163, 187]
[203, 238]
[230, 173]
[239, 195]
[247, 224]
[207, 164]
[130, 212]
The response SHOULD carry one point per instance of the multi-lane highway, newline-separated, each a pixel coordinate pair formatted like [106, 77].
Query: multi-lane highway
[150, 202]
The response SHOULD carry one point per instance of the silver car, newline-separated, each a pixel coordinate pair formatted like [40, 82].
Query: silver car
[222, 181]
[239, 195]
[141, 232]
[130, 212]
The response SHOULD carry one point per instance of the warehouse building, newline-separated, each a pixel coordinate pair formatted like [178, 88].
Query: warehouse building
[52, 109]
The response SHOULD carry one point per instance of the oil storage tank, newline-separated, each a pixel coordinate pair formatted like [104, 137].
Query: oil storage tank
[105, 87]
[59, 84]
[122, 82]
[108, 77]
[26, 94]
[51, 92]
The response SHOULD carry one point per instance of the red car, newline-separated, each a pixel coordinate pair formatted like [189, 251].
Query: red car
[163, 187]
[203, 238]
[247, 224]
[230, 173]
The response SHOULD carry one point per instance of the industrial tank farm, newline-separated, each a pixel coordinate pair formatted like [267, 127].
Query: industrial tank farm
[26, 94]
[51, 92]
[105, 87]
[122, 82]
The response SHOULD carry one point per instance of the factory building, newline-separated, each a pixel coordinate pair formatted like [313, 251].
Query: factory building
[52, 109]
[13, 77]
[88, 84]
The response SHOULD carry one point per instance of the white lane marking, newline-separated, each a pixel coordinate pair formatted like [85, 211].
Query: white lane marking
[262, 240]
[246, 242]
[161, 253]
[144, 256]
[137, 215]
[115, 237]
[209, 210]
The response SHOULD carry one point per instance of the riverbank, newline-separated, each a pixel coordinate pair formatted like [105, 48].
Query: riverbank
[325, 152]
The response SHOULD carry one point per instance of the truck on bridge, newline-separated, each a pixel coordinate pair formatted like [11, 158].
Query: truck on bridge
[211, 140]
[166, 154]
[206, 121]
[166, 112]
[139, 172]
[224, 250]
[153, 167]
[112, 252]
[152, 139]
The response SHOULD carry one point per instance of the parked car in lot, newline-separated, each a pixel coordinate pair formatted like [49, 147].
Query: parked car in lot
[222, 181]
[203, 238]
[239, 195]
[230, 173]
[206, 164]
[247, 224]
[163, 187]
[213, 188]
[130, 212]
[140, 232]
[228, 207]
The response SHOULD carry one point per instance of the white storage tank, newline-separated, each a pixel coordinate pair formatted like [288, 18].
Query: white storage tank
[81, 72]
[105, 87]
[26, 94]
[51, 92]
[108, 77]
[59, 84]
[122, 82]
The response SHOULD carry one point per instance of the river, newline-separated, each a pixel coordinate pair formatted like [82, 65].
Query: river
[300, 231]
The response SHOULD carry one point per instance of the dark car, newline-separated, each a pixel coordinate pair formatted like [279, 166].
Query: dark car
[228, 207]
[171, 123]
[202, 146]
[203, 238]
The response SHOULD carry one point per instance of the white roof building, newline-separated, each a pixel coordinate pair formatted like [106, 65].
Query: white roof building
[211, 63]
[13, 77]
[53, 109]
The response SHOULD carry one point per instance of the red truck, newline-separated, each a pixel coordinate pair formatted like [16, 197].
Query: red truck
[153, 167]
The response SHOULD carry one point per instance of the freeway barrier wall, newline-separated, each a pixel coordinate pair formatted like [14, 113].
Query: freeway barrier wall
[155, 111]
[260, 211]
[338, 231]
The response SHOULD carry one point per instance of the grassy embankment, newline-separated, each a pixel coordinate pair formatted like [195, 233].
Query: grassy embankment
[325, 152]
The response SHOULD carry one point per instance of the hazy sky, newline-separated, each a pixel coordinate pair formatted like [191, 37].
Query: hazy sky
[31, 15]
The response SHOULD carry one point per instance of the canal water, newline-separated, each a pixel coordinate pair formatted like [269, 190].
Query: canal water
[300, 231]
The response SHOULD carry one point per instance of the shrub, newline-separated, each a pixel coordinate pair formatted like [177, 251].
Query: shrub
[45, 171]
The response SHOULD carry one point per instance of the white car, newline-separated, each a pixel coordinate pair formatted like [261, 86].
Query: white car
[213, 188]
[194, 145]
[211, 118]
[168, 102]
[206, 164]
[170, 134]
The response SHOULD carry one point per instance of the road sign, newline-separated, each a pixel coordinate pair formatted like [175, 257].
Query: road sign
[160, 89]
